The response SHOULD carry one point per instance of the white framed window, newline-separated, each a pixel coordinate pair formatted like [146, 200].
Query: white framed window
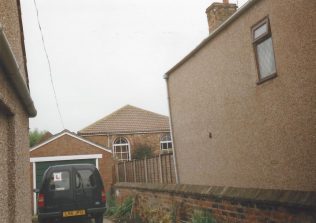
[263, 46]
[166, 142]
[121, 149]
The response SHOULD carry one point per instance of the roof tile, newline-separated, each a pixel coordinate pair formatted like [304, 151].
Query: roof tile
[128, 119]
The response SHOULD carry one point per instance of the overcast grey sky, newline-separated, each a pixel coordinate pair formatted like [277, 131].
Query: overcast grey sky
[105, 54]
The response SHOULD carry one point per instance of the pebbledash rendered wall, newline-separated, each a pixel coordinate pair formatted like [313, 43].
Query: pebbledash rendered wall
[176, 203]
[14, 157]
[262, 136]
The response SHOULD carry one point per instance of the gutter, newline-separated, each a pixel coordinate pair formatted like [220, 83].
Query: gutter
[12, 71]
[22, 42]
[225, 24]
[175, 164]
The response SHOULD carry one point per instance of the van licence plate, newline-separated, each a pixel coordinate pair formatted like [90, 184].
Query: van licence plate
[73, 213]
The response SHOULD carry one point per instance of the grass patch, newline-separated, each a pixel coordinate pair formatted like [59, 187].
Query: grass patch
[120, 213]
[202, 216]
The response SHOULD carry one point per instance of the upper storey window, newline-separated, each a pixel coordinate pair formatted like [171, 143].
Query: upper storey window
[262, 42]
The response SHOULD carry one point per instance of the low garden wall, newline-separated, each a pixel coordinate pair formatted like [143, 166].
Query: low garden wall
[178, 203]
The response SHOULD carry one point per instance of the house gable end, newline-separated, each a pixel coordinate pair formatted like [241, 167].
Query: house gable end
[70, 135]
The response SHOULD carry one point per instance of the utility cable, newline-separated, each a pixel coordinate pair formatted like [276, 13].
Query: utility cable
[49, 65]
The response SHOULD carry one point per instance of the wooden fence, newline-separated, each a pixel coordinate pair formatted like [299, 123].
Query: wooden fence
[158, 169]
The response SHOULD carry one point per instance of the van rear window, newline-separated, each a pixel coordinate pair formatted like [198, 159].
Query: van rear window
[85, 179]
[59, 181]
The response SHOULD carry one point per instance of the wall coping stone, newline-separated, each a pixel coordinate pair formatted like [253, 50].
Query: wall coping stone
[289, 198]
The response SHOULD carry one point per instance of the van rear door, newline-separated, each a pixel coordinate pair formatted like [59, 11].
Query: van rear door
[87, 188]
[59, 192]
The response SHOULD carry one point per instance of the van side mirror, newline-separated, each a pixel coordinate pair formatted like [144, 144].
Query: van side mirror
[36, 190]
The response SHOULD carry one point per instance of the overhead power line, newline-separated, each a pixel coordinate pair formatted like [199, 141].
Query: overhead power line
[49, 65]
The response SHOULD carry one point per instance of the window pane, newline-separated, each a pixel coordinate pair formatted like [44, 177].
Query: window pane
[123, 141]
[266, 58]
[165, 138]
[261, 30]
[85, 179]
[125, 149]
[118, 149]
[59, 181]
[120, 141]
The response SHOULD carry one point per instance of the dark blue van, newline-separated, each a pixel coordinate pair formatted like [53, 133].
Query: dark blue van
[69, 192]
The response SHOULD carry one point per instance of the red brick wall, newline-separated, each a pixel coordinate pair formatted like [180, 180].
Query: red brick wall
[224, 204]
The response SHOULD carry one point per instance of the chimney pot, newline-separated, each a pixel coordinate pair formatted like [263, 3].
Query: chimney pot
[226, 1]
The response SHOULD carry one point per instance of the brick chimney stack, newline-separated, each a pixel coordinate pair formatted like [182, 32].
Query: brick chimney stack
[217, 13]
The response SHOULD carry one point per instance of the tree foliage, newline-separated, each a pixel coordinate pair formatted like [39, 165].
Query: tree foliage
[143, 151]
[35, 136]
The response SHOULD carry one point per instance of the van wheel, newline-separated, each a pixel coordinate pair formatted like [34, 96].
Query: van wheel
[99, 218]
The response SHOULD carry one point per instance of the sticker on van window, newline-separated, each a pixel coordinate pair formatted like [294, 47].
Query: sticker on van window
[57, 177]
[59, 188]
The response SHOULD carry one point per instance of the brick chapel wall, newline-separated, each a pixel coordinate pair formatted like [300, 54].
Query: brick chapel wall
[176, 203]
[14, 155]
[150, 139]
[263, 136]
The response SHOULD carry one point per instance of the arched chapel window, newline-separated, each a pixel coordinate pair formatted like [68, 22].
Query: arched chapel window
[121, 149]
